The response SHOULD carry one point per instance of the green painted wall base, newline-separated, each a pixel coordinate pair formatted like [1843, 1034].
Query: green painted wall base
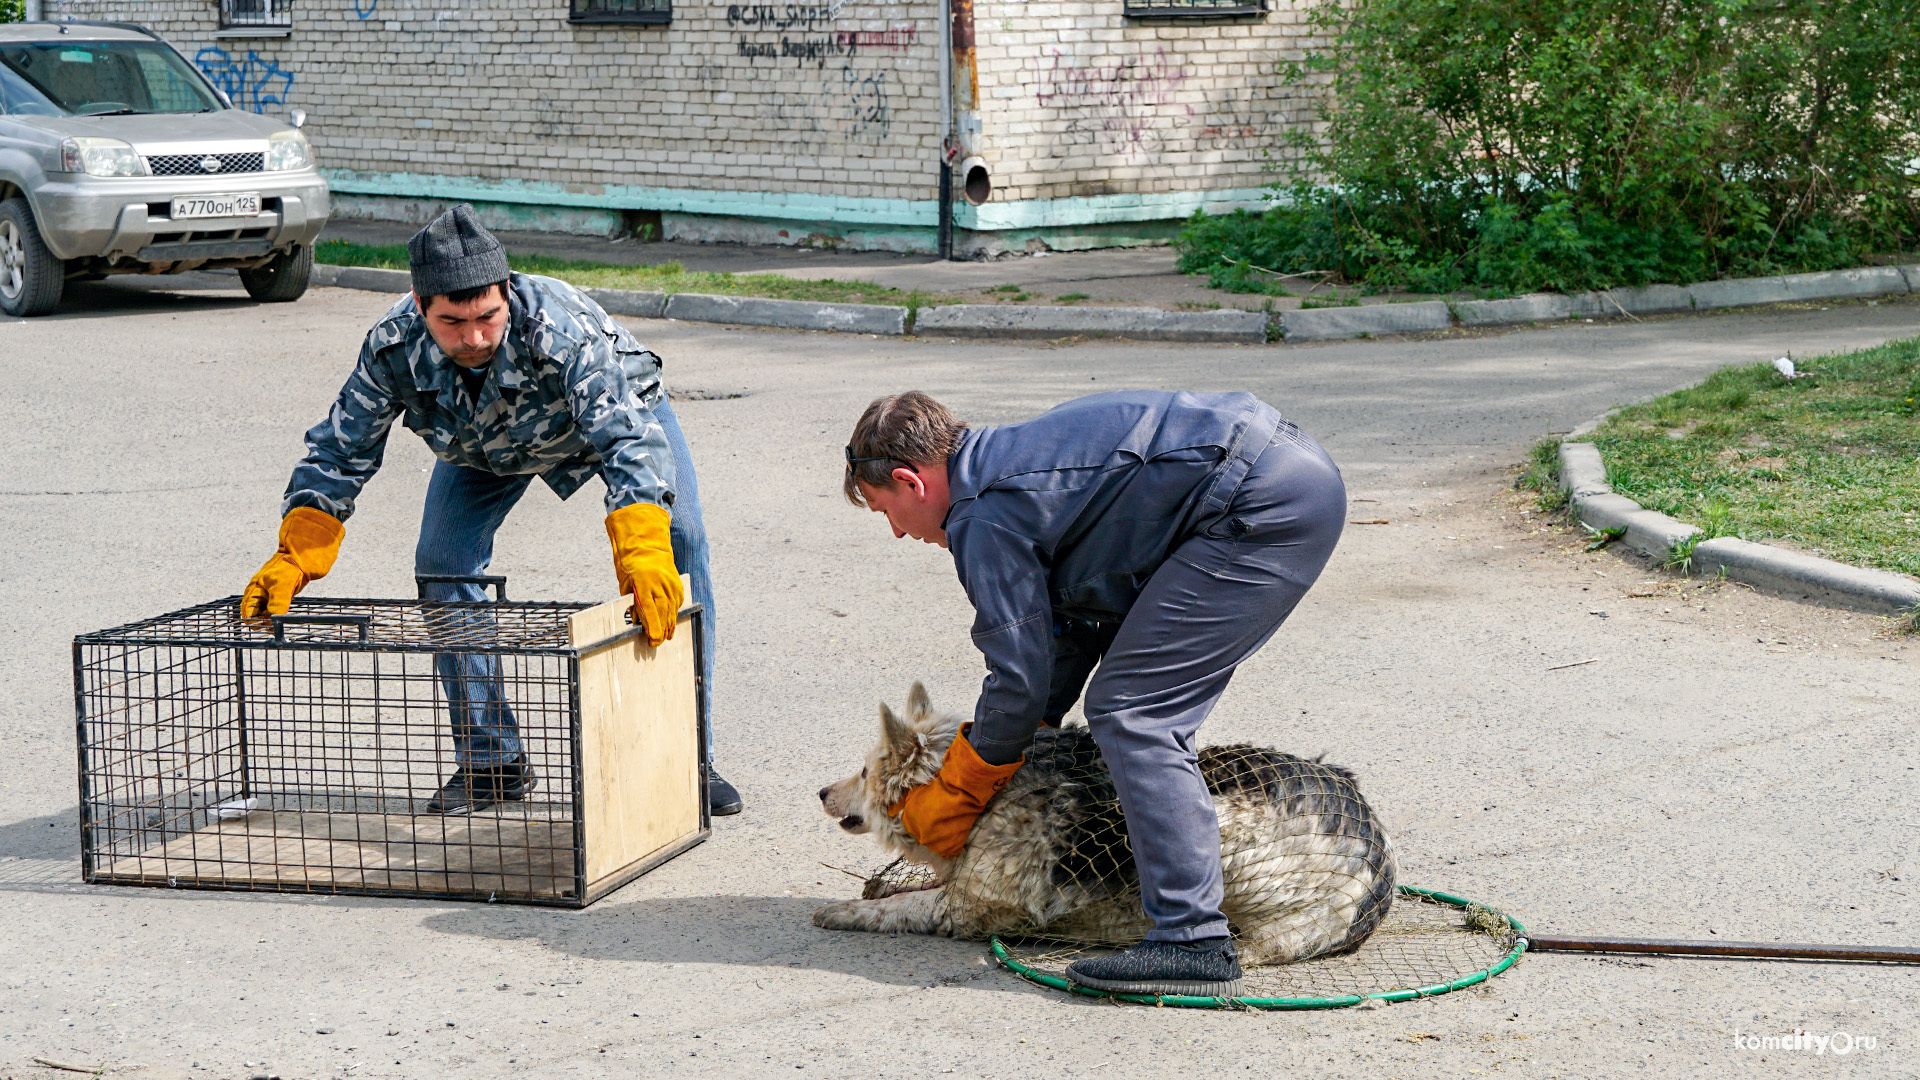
[750, 217]
[522, 217]
[716, 229]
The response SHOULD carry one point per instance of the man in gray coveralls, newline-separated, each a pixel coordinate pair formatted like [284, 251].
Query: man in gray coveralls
[1163, 537]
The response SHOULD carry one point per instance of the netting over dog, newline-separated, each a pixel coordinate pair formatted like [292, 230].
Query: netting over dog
[1306, 866]
[1308, 879]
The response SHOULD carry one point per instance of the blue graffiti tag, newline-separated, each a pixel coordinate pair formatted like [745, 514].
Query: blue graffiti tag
[365, 8]
[253, 83]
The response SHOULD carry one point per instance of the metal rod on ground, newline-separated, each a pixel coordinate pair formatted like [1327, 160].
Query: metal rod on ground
[1756, 949]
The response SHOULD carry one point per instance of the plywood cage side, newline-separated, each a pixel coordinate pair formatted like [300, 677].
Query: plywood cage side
[640, 747]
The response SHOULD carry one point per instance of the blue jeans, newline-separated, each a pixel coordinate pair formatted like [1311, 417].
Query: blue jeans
[464, 508]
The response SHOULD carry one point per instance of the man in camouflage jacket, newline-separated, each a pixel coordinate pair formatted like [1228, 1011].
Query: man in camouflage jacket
[506, 377]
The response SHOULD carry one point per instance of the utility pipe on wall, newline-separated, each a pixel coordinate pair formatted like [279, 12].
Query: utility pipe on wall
[33, 11]
[946, 131]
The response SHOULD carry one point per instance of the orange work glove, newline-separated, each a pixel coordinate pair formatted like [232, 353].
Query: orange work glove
[309, 542]
[941, 813]
[643, 561]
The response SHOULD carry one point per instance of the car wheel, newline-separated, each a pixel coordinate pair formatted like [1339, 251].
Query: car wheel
[283, 279]
[30, 276]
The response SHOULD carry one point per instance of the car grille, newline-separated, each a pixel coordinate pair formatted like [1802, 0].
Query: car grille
[189, 164]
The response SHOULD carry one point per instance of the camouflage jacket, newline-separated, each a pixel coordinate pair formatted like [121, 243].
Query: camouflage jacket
[569, 394]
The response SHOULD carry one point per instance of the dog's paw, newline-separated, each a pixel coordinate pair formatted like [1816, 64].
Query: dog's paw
[845, 915]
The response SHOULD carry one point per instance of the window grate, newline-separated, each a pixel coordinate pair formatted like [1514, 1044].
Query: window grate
[195, 164]
[242, 14]
[1192, 9]
[620, 11]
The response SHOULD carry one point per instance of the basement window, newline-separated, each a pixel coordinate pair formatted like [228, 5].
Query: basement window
[620, 11]
[256, 14]
[1192, 9]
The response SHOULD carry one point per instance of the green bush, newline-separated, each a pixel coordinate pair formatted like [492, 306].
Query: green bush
[12, 10]
[1514, 145]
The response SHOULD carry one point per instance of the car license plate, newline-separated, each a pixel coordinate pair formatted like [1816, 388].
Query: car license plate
[244, 204]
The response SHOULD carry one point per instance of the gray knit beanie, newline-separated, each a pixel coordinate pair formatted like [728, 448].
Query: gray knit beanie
[453, 253]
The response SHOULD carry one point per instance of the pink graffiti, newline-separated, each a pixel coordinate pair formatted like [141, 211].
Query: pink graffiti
[1120, 103]
[899, 37]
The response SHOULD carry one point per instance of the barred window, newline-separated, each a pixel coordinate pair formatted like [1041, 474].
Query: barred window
[1184, 9]
[621, 11]
[240, 14]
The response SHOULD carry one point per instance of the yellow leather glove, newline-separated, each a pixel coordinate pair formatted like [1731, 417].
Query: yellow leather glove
[643, 561]
[941, 814]
[309, 542]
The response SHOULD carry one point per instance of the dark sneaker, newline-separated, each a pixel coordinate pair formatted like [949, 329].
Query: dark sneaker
[477, 787]
[722, 798]
[1208, 967]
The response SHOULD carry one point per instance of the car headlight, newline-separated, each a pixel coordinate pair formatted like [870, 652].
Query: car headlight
[288, 150]
[100, 157]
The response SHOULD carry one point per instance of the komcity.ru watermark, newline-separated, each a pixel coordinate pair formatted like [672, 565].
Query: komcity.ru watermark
[1838, 1043]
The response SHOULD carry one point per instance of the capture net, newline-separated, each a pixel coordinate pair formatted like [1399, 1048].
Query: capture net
[1429, 943]
[1309, 888]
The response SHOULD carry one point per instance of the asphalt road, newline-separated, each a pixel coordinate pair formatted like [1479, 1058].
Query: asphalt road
[1731, 765]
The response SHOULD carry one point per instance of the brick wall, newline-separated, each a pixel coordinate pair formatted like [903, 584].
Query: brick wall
[831, 102]
[791, 98]
[1077, 99]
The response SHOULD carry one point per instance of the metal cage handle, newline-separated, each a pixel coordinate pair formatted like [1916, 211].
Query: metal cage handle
[364, 622]
[499, 583]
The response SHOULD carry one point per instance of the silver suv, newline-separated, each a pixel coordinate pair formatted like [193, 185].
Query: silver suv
[118, 157]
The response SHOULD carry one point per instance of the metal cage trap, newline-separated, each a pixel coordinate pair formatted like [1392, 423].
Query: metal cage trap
[298, 753]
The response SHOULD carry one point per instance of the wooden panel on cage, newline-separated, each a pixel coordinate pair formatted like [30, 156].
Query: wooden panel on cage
[641, 788]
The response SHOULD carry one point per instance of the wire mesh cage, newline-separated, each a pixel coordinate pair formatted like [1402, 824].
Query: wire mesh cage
[305, 752]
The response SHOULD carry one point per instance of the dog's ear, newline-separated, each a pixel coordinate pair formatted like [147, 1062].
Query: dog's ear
[897, 735]
[919, 707]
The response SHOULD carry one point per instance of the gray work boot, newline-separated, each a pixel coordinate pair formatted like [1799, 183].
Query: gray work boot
[1208, 967]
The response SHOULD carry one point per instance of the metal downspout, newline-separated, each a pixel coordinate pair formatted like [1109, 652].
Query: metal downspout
[34, 13]
[964, 86]
[946, 130]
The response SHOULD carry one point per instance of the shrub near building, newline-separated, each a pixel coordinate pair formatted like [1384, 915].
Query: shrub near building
[1585, 144]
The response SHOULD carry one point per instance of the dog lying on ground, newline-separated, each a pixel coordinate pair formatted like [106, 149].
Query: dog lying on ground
[1308, 868]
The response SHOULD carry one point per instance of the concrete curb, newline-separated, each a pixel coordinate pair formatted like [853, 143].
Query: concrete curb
[1583, 475]
[1335, 323]
[1224, 326]
[1146, 324]
[790, 314]
[640, 305]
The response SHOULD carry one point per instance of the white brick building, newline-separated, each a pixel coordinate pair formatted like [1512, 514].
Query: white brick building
[792, 123]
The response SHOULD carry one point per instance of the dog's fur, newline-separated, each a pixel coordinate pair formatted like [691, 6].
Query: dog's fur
[1308, 868]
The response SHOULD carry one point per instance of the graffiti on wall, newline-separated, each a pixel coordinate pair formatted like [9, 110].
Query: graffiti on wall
[853, 106]
[1126, 108]
[365, 8]
[253, 84]
[817, 49]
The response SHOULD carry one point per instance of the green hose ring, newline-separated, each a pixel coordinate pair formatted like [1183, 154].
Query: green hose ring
[1180, 1001]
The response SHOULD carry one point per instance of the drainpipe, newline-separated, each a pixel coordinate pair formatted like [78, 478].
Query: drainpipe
[946, 131]
[33, 10]
[963, 84]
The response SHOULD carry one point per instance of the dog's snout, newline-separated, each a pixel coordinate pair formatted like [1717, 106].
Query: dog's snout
[824, 792]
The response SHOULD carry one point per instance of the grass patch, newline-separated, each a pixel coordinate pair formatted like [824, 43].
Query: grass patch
[1541, 475]
[668, 277]
[1824, 462]
[1072, 297]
